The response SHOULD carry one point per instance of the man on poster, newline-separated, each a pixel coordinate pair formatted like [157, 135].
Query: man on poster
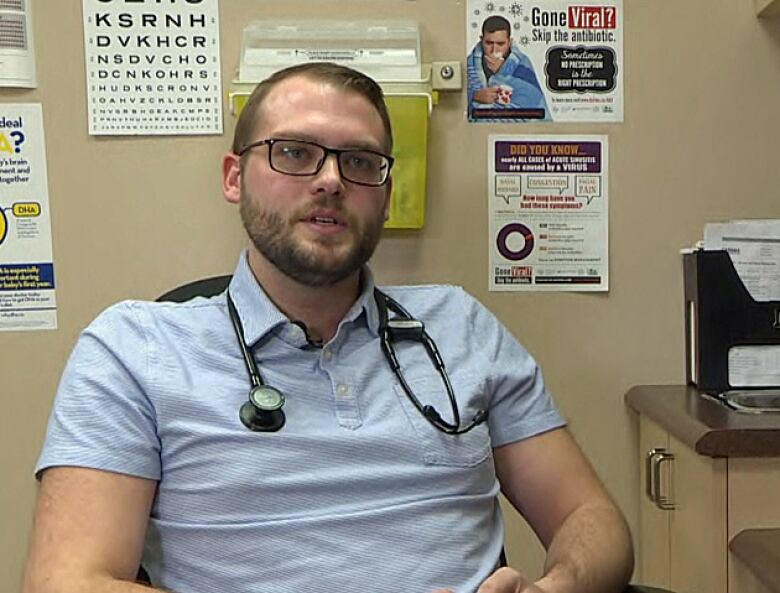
[501, 77]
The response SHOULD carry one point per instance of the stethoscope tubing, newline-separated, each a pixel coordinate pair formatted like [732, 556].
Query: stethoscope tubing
[246, 353]
[400, 328]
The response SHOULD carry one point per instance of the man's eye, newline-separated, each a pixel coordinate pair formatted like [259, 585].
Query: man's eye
[359, 161]
[294, 153]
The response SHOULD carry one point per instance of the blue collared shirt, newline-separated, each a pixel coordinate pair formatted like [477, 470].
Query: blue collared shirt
[357, 492]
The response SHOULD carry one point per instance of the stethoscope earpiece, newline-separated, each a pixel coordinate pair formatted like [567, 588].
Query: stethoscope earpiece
[405, 327]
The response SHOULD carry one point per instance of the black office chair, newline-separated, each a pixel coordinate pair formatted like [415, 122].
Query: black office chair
[208, 287]
[205, 287]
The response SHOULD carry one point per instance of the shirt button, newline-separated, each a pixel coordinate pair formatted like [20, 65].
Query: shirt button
[342, 389]
[327, 354]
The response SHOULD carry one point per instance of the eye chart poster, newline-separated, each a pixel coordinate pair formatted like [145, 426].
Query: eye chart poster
[548, 60]
[27, 300]
[548, 213]
[153, 68]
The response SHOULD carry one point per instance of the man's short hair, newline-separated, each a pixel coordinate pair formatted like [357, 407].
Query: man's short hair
[341, 77]
[496, 23]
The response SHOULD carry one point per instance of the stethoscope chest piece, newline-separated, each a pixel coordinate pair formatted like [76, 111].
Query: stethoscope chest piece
[262, 412]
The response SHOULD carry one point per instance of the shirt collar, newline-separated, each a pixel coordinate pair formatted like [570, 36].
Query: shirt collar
[256, 311]
[259, 315]
[365, 302]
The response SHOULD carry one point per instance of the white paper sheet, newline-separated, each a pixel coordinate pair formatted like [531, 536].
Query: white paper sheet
[754, 248]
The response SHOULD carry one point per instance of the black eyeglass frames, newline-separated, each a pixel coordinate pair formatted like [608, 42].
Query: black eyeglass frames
[301, 158]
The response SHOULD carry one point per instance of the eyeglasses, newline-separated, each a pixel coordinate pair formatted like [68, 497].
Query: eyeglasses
[301, 159]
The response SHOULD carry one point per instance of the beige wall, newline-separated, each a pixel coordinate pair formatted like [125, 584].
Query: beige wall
[132, 217]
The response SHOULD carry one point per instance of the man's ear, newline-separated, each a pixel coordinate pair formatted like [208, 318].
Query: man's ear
[388, 196]
[231, 178]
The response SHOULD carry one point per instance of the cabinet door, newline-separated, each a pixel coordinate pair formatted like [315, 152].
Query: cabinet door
[653, 546]
[698, 554]
[683, 549]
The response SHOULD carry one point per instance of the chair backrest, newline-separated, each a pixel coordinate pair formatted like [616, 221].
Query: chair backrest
[205, 287]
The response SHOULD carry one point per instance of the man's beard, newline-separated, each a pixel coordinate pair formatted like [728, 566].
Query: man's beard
[273, 238]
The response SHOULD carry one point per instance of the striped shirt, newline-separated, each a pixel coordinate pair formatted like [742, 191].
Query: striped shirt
[357, 492]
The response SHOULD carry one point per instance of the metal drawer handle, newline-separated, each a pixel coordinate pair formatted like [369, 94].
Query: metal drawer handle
[650, 459]
[662, 501]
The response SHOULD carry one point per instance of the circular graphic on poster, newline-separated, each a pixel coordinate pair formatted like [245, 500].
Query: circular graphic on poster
[512, 230]
[3, 226]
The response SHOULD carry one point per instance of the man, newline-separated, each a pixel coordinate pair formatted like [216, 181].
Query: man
[501, 76]
[146, 458]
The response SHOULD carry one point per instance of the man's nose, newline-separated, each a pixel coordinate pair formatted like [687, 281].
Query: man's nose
[329, 177]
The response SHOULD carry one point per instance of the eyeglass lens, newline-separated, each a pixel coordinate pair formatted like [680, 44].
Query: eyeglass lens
[296, 157]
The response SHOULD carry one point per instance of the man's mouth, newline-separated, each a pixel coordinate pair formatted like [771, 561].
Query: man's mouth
[323, 220]
[325, 217]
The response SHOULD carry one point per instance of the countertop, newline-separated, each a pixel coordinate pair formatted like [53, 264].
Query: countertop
[709, 427]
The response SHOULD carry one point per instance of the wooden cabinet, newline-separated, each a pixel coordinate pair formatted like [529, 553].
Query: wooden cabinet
[684, 546]
[653, 564]
[708, 474]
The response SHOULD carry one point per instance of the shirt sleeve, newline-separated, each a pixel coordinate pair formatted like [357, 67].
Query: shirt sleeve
[102, 417]
[520, 405]
[475, 81]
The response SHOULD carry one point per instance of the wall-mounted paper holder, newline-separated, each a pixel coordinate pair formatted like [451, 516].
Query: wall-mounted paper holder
[423, 87]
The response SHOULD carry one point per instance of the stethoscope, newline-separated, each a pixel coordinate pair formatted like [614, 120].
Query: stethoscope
[262, 412]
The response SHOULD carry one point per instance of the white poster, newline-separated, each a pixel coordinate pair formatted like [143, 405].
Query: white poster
[27, 300]
[17, 55]
[153, 67]
[551, 60]
[548, 213]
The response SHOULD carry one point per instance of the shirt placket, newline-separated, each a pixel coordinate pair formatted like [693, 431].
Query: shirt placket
[343, 388]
